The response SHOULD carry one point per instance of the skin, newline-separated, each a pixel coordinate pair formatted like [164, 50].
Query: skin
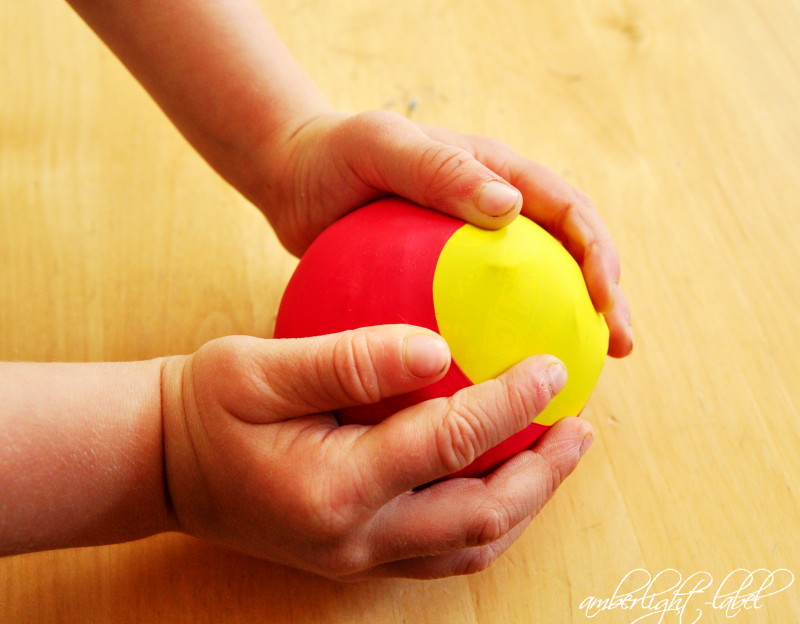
[236, 443]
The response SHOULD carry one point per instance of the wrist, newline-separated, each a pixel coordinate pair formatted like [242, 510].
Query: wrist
[85, 463]
[285, 166]
[176, 456]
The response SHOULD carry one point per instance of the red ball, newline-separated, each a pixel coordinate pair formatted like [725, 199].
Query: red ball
[375, 266]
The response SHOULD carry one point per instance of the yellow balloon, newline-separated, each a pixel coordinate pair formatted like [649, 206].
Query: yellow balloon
[501, 296]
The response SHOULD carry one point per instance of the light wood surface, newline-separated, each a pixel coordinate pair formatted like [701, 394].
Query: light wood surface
[680, 118]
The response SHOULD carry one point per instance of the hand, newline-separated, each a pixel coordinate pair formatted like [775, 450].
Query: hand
[268, 130]
[256, 461]
[334, 164]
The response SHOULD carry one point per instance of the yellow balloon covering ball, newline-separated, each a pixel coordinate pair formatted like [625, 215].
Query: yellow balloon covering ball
[502, 295]
[497, 297]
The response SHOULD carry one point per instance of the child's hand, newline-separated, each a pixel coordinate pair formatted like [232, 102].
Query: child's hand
[335, 164]
[256, 461]
[266, 128]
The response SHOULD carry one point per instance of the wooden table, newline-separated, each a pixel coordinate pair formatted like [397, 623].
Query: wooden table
[681, 119]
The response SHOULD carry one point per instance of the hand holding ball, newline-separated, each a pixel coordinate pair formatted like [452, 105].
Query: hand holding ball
[496, 297]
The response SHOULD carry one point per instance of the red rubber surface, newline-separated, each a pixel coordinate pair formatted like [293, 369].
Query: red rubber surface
[375, 267]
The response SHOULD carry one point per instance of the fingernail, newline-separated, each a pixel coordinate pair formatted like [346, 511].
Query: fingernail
[497, 199]
[426, 356]
[557, 377]
[587, 442]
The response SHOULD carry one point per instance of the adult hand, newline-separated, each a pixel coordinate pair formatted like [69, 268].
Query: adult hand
[256, 461]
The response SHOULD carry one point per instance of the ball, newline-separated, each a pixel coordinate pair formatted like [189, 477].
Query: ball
[495, 296]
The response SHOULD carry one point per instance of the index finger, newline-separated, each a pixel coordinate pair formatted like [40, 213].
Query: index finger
[436, 438]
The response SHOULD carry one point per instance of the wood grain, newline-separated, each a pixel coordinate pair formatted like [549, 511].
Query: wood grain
[681, 119]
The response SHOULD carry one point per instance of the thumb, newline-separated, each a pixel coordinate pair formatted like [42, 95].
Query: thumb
[287, 378]
[409, 163]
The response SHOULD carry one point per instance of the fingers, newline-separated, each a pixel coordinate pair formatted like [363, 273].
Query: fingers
[485, 182]
[567, 214]
[466, 561]
[570, 216]
[394, 154]
[619, 323]
[270, 380]
[436, 438]
[463, 514]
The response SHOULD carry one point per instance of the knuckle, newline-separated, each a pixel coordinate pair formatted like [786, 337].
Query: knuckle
[581, 199]
[349, 562]
[498, 144]
[461, 434]
[491, 523]
[594, 248]
[326, 514]
[225, 353]
[576, 207]
[477, 560]
[534, 401]
[494, 150]
[573, 204]
[550, 475]
[228, 361]
[469, 427]
[440, 167]
[354, 364]
[366, 133]
[374, 125]
[525, 400]
[564, 211]
[381, 118]
[555, 477]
